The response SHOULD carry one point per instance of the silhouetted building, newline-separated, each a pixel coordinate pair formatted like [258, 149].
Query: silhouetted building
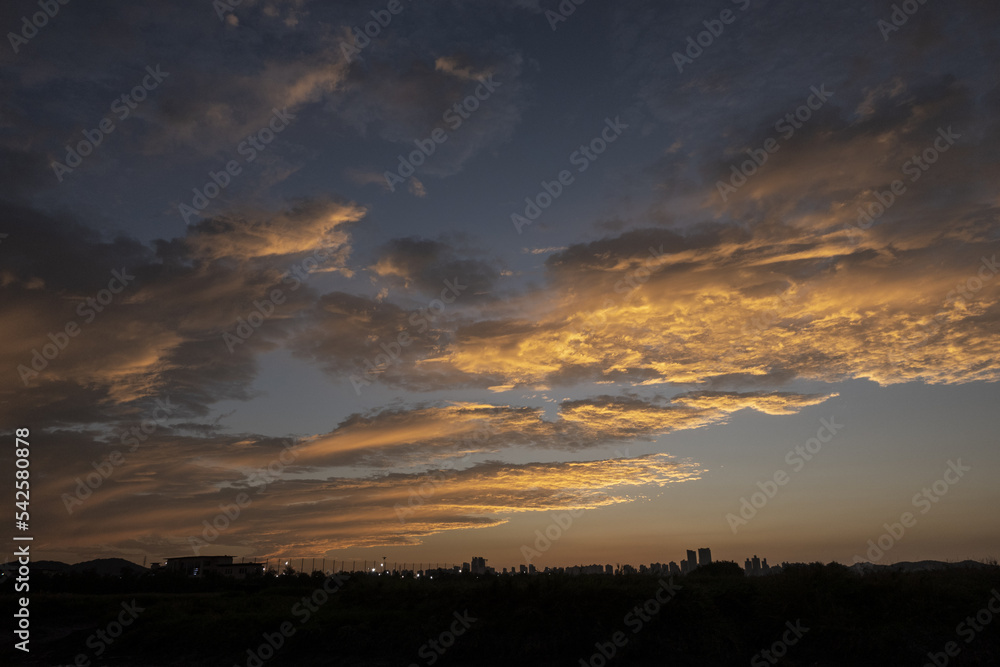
[704, 556]
[199, 566]
[478, 565]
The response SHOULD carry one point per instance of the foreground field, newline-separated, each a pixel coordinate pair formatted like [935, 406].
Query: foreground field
[810, 615]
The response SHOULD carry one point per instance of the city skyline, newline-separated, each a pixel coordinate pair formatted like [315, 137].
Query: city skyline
[387, 564]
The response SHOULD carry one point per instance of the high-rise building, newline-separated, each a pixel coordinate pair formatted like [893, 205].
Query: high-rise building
[692, 559]
[748, 567]
[704, 556]
[478, 565]
[756, 564]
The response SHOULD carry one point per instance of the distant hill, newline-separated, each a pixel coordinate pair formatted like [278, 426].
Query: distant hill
[103, 566]
[919, 566]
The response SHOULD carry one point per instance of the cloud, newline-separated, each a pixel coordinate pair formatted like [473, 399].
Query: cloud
[725, 304]
[670, 287]
[308, 227]
[176, 489]
[460, 67]
[102, 324]
[404, 103]
[421, 436]
[421, 265]
[416, 187]
[771, 403]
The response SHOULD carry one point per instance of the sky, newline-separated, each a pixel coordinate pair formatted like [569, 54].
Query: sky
[547, 283]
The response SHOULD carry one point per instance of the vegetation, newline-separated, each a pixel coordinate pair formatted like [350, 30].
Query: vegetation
[718, 617]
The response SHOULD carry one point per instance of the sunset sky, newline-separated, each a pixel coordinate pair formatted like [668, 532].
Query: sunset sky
[495, 264]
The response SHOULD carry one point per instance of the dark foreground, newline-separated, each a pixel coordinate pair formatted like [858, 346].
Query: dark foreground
[809, 615]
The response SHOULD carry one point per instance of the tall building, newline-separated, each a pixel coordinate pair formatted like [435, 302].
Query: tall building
[704, 556]
[756, 564]
[478, 565]
[692, 559]
[748, 567]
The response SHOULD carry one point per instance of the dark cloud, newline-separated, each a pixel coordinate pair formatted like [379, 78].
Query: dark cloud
[104, 323]
[427, 266]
